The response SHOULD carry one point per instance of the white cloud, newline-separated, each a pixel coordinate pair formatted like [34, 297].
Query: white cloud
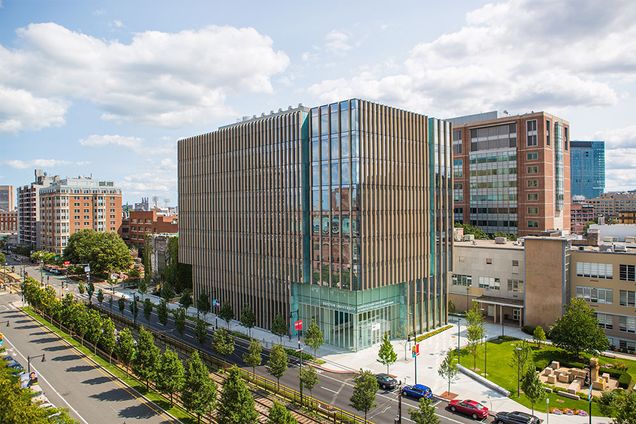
[35, 163]
[19, 110]
[337, 41]
[136, 144]
[166, 79]
[117, 24]
[618, 138]
[620, 157]
[517, 55]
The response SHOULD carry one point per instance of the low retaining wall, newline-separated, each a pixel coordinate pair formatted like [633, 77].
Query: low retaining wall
[478, 378]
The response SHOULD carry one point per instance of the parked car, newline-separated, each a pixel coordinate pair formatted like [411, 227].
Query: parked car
[516, 417]
[385, 381]
[417, 391]
[469, 407]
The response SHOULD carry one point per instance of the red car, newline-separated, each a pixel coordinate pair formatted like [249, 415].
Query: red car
[471, 408]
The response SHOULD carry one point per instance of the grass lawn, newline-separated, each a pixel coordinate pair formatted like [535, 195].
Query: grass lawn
[501, 372]
[139, 386]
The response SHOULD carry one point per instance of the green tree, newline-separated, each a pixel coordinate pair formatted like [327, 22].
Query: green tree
[148, 306]
[121, 304]
[90, 289]
[226, 313]
[364, 391]
[93, 328]
[3, 259]
[100, 296]
[110, 302]
[162, 312]
[142, 286]
[253, 356]
[172, 263]
[475, 331]
[170, 373]
[279, 327]
[624, 407]
[186, 299]
[425, 413]
[223, 342]
[167, 291]
[79, 320]
[134, 308]
[199, 392]
[532, 387]
[104, 251]
[577, 330]
[201, 331]
[134, 275]
[248, 319]
[146, 260]
[203, 304]
[125, 349]
[448, 368]
[277, 364]
[146, 361]
[314, 337]
[179, 319]
[108, 339]
[278, 414]
[308, 377]
[521, 357]
[81, 287]
[237, 404]
[386, 354]
[471, 229]
[538, 335]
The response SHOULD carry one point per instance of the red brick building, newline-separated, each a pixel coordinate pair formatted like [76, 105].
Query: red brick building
[139, 223]
[582, 213]
[8, 221]
[512, 173]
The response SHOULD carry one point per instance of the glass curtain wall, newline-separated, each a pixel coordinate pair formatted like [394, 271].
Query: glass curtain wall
[558, 167]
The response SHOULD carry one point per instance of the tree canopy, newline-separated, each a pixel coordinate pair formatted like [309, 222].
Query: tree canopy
[237, 404]
[578, 330]
[386, 354]
[364, 391]
[104, 251]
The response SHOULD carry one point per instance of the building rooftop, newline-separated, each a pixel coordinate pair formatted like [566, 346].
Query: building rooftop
[517, 245]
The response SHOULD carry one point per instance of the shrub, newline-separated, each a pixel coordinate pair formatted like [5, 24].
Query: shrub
[528, 329]
[541, 364]
[611, 371]
[625, 380]
[432, 333]
[621, 366]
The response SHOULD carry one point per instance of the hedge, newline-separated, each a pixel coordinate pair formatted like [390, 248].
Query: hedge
[625, 380]
[432, 333]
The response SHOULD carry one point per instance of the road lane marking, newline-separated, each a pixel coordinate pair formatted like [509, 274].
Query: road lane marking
[45, 380]
[330, 390]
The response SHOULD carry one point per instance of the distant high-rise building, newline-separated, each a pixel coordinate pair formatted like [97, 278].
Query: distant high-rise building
[143, 205]
[29, 209]
[7, 198]
[73, 204]
[512, 173]
[339, 214]
[587, 168]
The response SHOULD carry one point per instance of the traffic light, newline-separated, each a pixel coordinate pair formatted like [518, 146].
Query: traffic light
[408, 338]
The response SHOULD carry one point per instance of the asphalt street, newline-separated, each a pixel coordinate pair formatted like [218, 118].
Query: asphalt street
[333, 388]
[68, 378]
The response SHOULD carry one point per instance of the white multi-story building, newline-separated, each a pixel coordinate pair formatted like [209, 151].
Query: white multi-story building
[29, 209]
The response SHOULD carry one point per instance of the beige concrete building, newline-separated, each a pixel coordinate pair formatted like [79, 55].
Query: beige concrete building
[29, 209]
[73, 204]
[606, 278]
[7, 198]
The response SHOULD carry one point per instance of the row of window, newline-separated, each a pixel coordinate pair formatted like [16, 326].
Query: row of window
[488, 283]
[594, 270]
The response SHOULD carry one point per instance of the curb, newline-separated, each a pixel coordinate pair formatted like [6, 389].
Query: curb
[102, 368]
[322, 368]
[478, 378]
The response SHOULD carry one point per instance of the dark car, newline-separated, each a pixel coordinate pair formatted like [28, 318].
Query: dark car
[516, 417]
[471, 408]
[385, 381]
[417, 391]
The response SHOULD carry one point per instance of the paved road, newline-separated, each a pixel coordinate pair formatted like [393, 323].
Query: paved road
[333, 388]
[68, 378]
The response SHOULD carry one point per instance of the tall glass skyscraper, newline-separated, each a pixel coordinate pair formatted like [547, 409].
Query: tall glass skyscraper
[340, 213]
[587, 168]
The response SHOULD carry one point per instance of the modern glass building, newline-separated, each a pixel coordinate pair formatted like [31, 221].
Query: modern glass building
[587, 169]
[350, 225]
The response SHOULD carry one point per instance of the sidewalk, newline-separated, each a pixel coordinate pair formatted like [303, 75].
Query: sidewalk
[432, 352]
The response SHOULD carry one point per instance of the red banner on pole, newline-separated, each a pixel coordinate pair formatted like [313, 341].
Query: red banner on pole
[298, 325]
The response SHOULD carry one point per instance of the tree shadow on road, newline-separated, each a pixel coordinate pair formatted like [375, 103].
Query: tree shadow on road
[27, 327]
[56, 348]
[45, 340]
[97, 380]
[113, 395]
[65, 358]
[138, 412]
[81, 368]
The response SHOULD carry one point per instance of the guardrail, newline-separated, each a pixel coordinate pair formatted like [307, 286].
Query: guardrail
[331, 413]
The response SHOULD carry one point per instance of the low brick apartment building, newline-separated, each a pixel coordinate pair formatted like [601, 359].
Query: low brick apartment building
[8, 222]
[138, 224]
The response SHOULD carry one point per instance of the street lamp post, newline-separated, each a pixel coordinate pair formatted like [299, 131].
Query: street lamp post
[7, 322]
[485, 355]
[398, 419]
[518, 349]
[33, 357]
[547, 410]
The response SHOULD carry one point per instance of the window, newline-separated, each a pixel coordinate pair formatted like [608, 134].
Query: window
[595, 295]
[628, 272]
[566, 137]
[515, 286]
[533, 224]
[605, 321]
[533, 183]
[489, 283]
[594, 270]
[462, 280]
[532, 156]
[628, 298]
[457, 141]
[515, 262]
[458, 171]
[627, 324]
[533, 211]
[489, 261]
[531, 133]
[533, 196]
[547, 132]
[533, 169]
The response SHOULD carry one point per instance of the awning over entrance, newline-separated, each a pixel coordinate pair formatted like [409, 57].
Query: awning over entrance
[500, 308]
[491, 300]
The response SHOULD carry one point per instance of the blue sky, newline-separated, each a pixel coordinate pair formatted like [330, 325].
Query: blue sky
[106, 88]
